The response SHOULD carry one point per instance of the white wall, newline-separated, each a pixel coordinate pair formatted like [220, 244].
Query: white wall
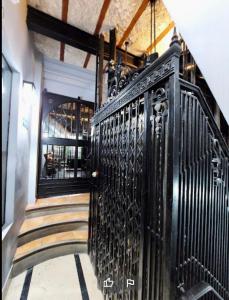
[204, 26]
[19, 53]
[68, 80]
[34, 129]
[60, 78]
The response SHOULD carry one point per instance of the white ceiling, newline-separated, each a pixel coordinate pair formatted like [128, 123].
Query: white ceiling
[205, 31]
[84, 15]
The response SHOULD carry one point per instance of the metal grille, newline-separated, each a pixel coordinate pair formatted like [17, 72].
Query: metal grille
[64, 156]
[86, 114]
[117, 235]
[157, 152]
[159, 203]
[61, 122]
[202, 245]
[58, 162]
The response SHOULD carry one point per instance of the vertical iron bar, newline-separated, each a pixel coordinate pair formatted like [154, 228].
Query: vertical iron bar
[173, 171]
[96, 83]
[77, 118]
[100, 70]
[143, 260]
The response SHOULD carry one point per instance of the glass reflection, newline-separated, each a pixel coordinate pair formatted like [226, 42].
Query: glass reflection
[86, 114]
[61, 122]
[70, 120]
[58, 162]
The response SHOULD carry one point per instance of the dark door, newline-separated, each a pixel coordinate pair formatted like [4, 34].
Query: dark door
[64, 145]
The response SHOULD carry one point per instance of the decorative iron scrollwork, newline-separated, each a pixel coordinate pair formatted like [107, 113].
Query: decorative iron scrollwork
[217, 166]
[203, 174]
[121, 75]
[217, 170]
[160, 95]
[159, 106]
[155, 199]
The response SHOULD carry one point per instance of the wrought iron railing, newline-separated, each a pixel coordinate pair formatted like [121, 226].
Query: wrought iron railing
[159, 209]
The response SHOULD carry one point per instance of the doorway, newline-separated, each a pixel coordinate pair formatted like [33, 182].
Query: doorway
[64, 150]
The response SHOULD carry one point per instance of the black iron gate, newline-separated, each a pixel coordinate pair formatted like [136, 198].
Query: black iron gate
[159, 210]
[65, 140]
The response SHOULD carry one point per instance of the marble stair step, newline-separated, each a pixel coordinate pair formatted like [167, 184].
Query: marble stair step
[68, 199]
[70, 203]
[48, 247]
[36, 227]
[52, 239]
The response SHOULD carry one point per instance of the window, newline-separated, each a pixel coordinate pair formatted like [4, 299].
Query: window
[86, 114]
[65, 134]
[6, 94]
[61, 122]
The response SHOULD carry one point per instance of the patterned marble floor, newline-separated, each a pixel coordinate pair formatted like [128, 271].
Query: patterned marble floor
[69, 277]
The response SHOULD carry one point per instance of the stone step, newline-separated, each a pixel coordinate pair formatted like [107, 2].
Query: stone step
[50, 246]
[37, 227]
[54, 205]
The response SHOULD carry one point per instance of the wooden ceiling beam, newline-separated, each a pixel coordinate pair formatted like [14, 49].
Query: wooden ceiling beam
[102, 15]
[54, 28]
[133, 22]
[99, 24]
[160, 37]
[64, 19]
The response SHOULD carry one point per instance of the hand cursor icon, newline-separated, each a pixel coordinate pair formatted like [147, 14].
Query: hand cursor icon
[108, 283]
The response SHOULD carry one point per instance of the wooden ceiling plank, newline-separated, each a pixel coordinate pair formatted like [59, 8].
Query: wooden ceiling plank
[65, 4]
[62, 48]
[86, 60]
[102, 15]
[56, 29]
[160, 37]
[133, 22]
[99, 24]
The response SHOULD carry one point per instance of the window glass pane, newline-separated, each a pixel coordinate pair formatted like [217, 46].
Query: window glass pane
[61, 122]
[6, 92]
[83, 162]
[65, 120]
[57, 162]
[86, 114]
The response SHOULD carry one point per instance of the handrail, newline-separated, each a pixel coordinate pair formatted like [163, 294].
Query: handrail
[198, 291]
[207, 110]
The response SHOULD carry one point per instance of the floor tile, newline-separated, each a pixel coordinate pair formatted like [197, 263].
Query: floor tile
[91, 281]
[55, 279]
[15, 287]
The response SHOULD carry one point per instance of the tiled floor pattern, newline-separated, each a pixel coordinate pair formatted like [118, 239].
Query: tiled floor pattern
[56, 279]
